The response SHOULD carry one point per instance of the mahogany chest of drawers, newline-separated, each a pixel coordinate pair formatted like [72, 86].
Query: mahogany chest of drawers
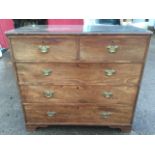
[79, 75]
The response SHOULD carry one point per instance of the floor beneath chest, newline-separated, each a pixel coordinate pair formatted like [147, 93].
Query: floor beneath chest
[12, 120]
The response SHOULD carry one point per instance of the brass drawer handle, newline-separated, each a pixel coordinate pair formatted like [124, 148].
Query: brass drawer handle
[48, 93]
[112, 48]
[51, 113]
[105, 114]
[43, 49]
[107, 94]
[47, 72]
[109, 72]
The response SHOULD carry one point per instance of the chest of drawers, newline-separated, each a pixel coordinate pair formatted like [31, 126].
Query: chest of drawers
[75, 75]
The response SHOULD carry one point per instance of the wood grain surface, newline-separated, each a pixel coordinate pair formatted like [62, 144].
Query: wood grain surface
[78, 114]
[79, 94]
[78, 74]
[131, 48]
[60, 49]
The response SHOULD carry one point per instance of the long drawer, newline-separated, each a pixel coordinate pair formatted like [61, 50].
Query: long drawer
[113, 48]
[46, 49]
[79, 74]
[79, 94]
[93, 115]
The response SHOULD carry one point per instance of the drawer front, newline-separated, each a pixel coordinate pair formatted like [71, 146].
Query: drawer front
[44, 49]
[78, 114]
[79, 74]
[113, 48]
[79, 94]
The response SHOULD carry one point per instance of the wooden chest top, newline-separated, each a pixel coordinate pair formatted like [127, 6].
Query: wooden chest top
[77, 30]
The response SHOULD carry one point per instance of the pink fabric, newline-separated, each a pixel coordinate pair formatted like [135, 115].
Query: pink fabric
[65, 21]
[5, 25]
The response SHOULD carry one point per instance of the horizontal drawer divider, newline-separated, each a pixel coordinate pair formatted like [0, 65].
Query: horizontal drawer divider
[50, 103]
[75, 123]
[82, 62]
[51, 84]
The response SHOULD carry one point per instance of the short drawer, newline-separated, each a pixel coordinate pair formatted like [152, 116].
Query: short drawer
[79, 74]
[79, 94]
[92, 115]
[44, 49]
[113, 48]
